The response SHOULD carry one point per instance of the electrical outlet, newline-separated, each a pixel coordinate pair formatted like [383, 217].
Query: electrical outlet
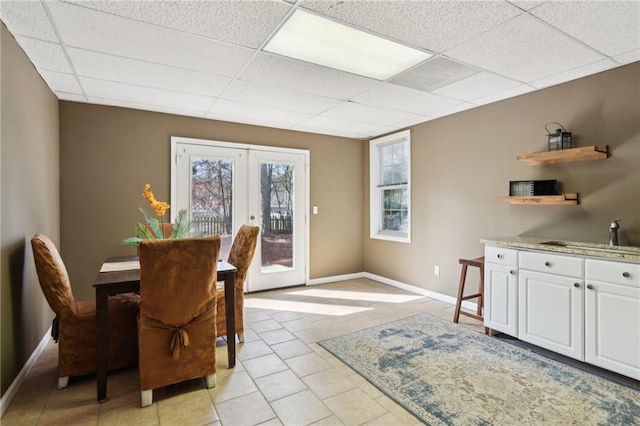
[436, 270]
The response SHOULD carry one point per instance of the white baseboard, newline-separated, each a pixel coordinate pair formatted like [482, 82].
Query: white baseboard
[393, 283]
[335, 278]
[19, 380]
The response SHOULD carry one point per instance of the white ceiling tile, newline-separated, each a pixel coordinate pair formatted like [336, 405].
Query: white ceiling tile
[524, 49]
[341, 125]
[144, 95]
[449, 111]
[368, 114]
[27, 18]
[279, 71]
[47, 56]
[70, 97]
[527, 4]
[401, 98]
[413, 122]
[505, 94]
[276, 116]
[629, 57]
[60, 82]
[102, 32]
[330, 132]
[246, 23]
[431, 25]
[244, 91]
[573, 74]
[611, 27]
[124, 70]
[477, 86]
[145, 107]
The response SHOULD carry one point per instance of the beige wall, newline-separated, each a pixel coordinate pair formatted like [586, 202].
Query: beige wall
[462, 162]
[108, 153]
[29, 203]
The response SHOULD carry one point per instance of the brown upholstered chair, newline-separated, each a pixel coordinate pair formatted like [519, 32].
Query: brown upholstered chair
[177, 321]
[75, 322]
[240, 256]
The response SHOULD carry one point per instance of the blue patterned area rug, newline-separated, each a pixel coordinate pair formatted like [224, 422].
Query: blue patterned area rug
[447, 375]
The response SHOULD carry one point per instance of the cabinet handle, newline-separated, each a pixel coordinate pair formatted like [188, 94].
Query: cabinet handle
[626, 274]
[547, 264]
[500, 256]
[512, 272]
[590, 286]
[576, 285]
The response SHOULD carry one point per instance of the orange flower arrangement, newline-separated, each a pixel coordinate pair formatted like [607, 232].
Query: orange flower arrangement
[153, 228]
[159, 206]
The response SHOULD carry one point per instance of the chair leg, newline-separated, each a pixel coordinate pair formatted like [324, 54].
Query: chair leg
[63, 382]
[211, 381]
[146, 397]
[241, 337]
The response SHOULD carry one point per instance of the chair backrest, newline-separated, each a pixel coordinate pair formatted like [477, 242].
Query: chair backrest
[177, 278]
[53, 275]
[242, 251]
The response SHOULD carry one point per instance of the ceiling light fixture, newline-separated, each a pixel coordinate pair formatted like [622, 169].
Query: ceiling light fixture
[312, 38]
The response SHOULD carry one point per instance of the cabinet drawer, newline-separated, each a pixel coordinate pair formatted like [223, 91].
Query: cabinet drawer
[501, 256]
[552, 264]
[613, 272]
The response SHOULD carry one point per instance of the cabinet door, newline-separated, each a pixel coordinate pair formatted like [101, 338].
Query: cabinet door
[613, 327]
[501, 298]
[550, 312]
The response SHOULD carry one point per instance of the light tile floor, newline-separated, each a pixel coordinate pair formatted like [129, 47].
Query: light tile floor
[282, 376]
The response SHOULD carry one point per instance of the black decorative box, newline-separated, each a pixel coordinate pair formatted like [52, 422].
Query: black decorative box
[527, 188]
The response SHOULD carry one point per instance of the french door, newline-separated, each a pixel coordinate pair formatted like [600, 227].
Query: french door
[223, 186]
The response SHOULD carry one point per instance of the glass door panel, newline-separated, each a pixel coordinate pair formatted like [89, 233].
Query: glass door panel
[277, 195]
[212, 199]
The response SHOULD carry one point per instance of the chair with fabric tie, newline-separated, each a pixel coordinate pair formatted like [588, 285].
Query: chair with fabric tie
[74, 326]
[177, 321]
[240, 256]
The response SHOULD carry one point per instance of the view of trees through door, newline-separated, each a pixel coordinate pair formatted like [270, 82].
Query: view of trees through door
[212, 207]
[276, 188]
[212, 200]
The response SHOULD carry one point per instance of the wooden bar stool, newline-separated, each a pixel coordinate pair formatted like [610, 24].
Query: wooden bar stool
[478, 263]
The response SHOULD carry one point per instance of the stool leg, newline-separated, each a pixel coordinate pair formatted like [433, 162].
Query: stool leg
[463, 276]
[481, 299]
[481, 292]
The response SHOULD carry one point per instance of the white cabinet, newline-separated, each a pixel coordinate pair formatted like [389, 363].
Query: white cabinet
[550, 302]
[612, 316]
[501, 290]
[588, 309]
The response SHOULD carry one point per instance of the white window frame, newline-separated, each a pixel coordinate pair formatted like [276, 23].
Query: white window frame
[376, 188]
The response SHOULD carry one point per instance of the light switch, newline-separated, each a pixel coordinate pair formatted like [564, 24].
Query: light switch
[315, 209]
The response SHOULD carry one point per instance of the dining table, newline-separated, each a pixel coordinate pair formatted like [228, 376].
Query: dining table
[121, 274]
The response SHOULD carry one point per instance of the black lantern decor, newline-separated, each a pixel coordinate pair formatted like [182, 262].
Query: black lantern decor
[560, 139]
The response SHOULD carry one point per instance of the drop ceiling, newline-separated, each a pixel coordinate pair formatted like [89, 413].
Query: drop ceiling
[207, 59]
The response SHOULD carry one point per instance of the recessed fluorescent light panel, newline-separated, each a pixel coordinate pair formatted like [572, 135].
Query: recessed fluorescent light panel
[311, 38]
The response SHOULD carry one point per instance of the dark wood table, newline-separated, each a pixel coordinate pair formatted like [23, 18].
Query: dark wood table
[116, 282]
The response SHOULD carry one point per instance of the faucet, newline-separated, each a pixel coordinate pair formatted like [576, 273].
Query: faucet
[613, 232]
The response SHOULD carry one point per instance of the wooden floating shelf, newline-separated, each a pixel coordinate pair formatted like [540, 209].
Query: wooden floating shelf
[557, 200]
[585, 153]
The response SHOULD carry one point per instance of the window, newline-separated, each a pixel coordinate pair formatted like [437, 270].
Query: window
[390, 187]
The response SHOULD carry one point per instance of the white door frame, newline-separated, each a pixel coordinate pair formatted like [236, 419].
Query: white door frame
[222, 144]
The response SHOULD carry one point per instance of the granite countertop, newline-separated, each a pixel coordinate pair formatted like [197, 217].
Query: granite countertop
[603, 251]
